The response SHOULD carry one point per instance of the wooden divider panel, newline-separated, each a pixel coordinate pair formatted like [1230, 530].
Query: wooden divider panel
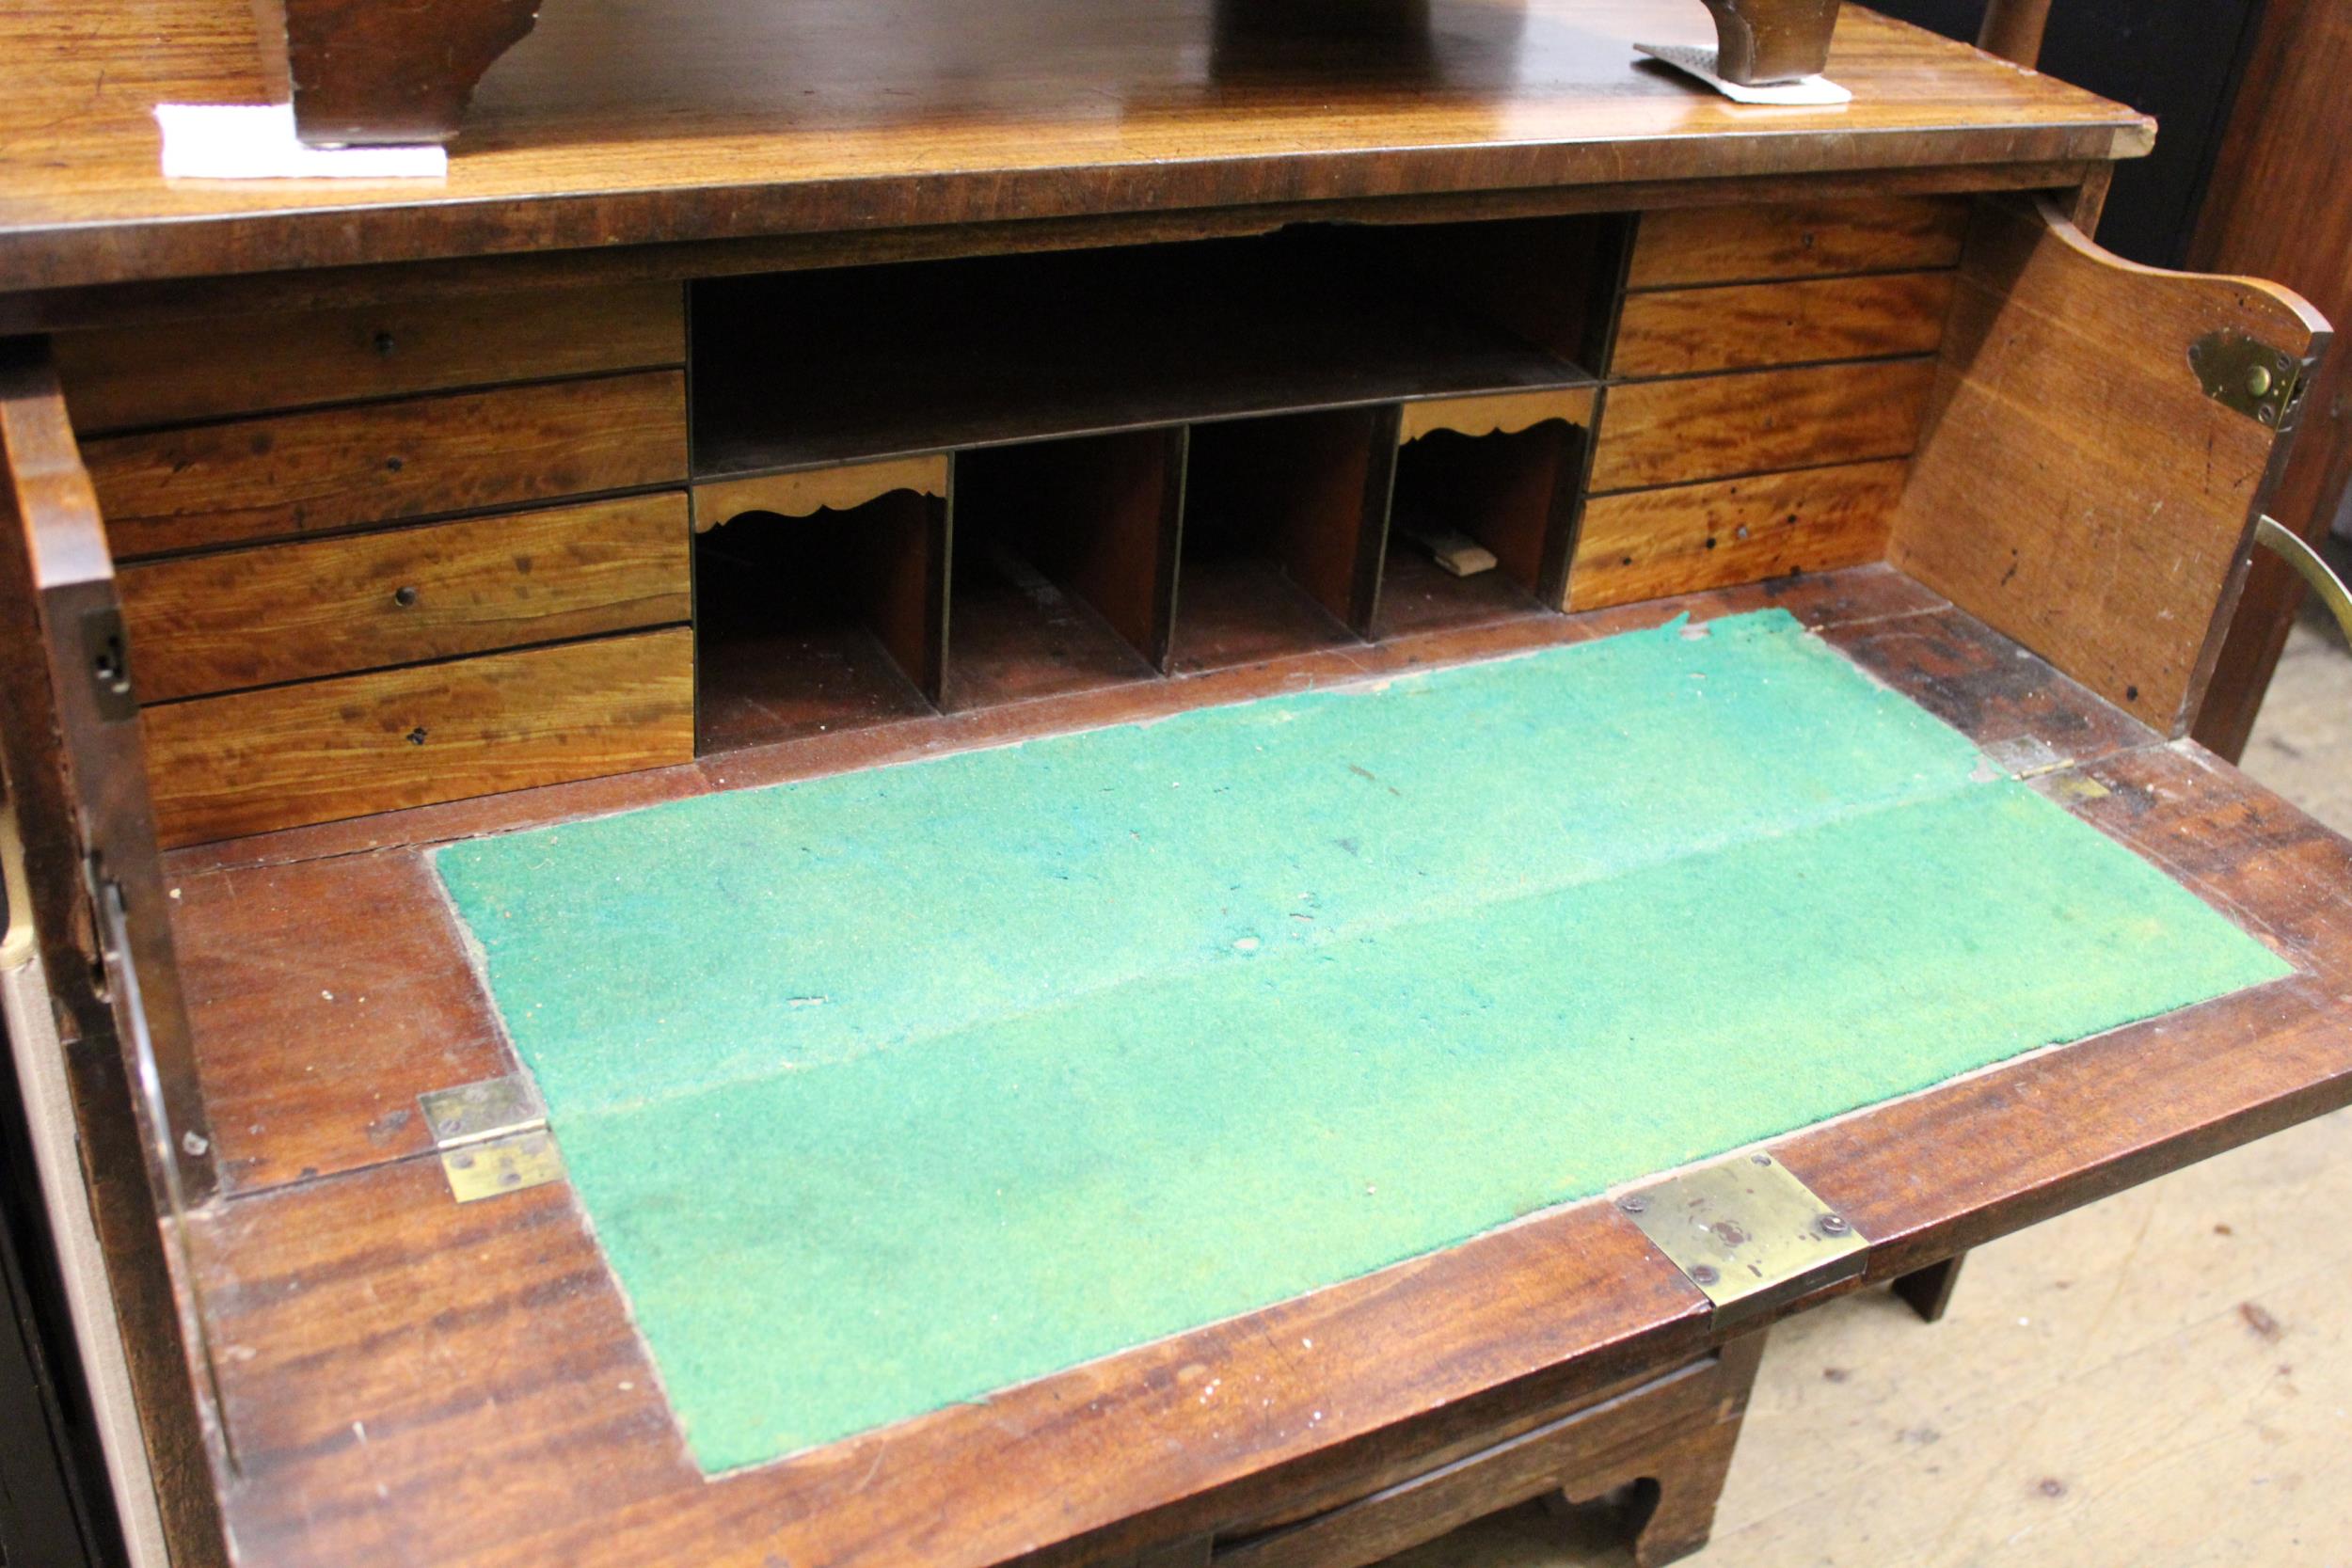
[328, 607]
[123, 377]
[245, 481]
[2076, 487]
[256, 761]
[1321, 483]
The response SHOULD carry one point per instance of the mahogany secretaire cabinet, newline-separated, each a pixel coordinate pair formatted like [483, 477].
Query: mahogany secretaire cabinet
[776, 392]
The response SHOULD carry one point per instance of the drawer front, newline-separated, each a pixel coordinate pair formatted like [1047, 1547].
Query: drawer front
[246, 480]
[128, 378]
[1713, 427]
[258, 761]
[1803, 239]
[1686, 538]
[1753, 326]
[330, 607]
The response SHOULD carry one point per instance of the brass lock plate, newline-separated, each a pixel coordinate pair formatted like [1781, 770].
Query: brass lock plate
[1749, 1234]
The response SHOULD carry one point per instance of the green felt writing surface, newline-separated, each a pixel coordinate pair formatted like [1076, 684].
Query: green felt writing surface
[888, 1090]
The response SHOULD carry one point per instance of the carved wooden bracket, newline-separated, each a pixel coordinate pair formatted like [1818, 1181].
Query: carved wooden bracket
[1760, 41]
[362, 71]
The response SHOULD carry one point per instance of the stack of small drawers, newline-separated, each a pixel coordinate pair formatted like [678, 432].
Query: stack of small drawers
[382, 557]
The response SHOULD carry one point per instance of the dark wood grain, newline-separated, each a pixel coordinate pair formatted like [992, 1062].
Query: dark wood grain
[2280, 206]
[1763, 41]
[1797, 239]
[253, 761]
[329, 607]
[627, 121]
[1653, 543]
[507, 1411]
[1758, 422]
[366, 73]
[844, 366]
[72, 821]
[1588, 1451]
[2013, 30]
[245, 481]
[228, 364]
[1751, 326]
[2110, 533]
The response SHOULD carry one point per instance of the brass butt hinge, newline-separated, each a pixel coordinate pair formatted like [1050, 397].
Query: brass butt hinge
[1750, 1235]
[492, 1138]
[2245, 373]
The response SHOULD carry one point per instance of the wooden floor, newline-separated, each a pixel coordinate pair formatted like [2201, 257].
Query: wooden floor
[2164, 1379]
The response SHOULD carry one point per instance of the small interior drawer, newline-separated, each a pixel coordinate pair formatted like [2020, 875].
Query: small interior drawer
[257, 761]
[1678, 248]
[284, 475]
[207, 623]
[126, 378]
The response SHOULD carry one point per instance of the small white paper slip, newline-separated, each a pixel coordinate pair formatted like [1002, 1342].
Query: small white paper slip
[257, 141]
[1701, 63]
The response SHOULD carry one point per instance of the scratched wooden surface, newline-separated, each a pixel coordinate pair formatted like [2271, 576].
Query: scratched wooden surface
[2162, 1378]
[622, 122]
[2165, 1377]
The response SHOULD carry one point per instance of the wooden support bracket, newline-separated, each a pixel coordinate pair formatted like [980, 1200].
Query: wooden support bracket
[1760, 41]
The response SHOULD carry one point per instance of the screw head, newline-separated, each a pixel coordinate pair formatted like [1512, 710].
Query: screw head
[1834, 1225]
[1634, 1204]
[1760, 1159]
[1705, 1275]
[406, 595]
[384, 344]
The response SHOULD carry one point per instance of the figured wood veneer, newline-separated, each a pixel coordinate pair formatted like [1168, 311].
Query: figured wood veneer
[282, 613]
[1687, 538]
[1754, 422]
[619, 123]
[250, 480]
[217, 366]
[1755, 326]
[1797, 239]
[259, 760]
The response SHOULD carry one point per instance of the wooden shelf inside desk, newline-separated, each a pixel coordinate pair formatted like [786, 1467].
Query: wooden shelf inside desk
[801, 370]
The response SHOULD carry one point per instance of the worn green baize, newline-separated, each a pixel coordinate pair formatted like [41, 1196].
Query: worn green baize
[890, 1089]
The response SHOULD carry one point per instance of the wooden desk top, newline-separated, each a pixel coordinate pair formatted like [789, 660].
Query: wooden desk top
[625, 122]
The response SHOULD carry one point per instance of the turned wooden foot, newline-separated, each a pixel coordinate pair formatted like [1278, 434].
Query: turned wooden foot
[1929, 1290]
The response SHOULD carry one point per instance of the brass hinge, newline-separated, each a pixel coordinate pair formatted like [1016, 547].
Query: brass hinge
[2263, 383]
[1749, 1234]
[492, 1137]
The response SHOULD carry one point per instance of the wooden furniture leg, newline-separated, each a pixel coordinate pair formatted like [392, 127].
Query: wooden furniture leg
[1759, 42]
[1929, 1290]
[2013, 30]
[1680, 1481]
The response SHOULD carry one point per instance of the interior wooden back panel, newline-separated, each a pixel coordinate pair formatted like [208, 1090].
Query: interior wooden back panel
[2076, 486]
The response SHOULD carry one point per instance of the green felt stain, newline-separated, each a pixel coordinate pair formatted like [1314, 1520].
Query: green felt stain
[892, 1089]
